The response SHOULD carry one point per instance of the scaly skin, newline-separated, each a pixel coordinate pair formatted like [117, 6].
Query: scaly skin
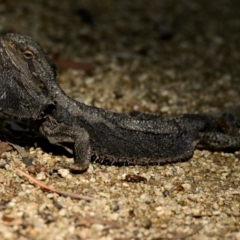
[29, 90]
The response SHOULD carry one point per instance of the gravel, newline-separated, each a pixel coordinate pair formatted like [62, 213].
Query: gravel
[165, 57]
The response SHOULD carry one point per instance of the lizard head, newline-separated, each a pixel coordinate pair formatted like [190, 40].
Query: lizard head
[27, 77]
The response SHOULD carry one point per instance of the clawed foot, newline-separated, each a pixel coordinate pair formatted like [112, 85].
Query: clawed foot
[72, 167]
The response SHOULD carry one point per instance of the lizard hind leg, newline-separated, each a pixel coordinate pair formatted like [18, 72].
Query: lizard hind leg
[226, 138]
[227, 124]
[218, 141]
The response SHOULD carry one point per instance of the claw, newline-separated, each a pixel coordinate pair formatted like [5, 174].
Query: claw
[72, 167]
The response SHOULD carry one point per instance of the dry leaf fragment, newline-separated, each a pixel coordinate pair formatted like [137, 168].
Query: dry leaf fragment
[4, 147]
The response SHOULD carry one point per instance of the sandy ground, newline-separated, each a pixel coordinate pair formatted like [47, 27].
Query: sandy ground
[166, 57]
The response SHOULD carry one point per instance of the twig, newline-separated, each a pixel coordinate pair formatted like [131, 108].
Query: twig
[43, 185]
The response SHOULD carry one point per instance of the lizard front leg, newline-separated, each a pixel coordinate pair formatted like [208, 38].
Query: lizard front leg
[82, 151]
[61, 134]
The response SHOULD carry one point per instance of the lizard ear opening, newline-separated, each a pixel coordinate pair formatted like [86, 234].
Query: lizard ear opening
[49, 109]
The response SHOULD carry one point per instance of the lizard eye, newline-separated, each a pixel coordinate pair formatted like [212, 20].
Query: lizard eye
[28, 54]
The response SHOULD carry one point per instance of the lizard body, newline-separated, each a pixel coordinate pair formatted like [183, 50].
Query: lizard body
[29, 90]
